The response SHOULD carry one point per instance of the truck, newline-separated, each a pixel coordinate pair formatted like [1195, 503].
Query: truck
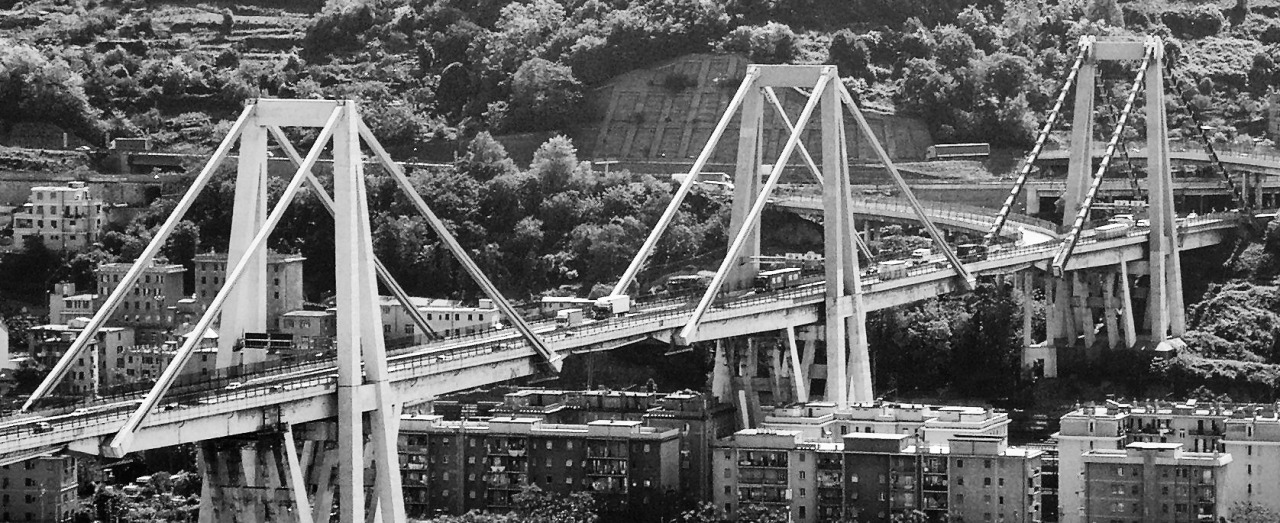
[568, 318]
[615, 305]
[1111, 230]
[921, 254]
[953, 151]
[971, 251]
[888, 270]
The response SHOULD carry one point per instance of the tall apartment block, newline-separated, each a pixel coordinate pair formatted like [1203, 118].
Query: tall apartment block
[39, 489]
[1246, 435]
[151, 305]
[699, 420]
[1154, 482]
[873, 477]
[284, 291]
[457, 466]
[64, 218]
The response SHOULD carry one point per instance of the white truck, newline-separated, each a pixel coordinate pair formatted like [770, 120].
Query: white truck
[892, 269]
[569, 318]
[609, 306]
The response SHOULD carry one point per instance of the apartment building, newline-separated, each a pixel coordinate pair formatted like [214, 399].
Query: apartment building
[47, 343]
[66, 303]
[284, 282]
[39, 489]
[150, 306]
[1154, 482]
[700, 420]
[1242, 431]
[64, 218]
[456, 466]
[446, 317]
[871, 477]
[930, 424]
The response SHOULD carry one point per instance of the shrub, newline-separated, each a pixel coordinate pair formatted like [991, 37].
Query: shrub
[772, 43]
[1194, 22]
[677, 82]
[544, 95]
[850, 54]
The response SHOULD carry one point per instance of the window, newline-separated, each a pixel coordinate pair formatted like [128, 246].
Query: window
[986, 463]
[568, 463]
[727, 475]
[1120, 471]
[1001, 499]
[408, 329]
[802, 492]
[1001, 482]
[960, 481]
[986, 482]
[726, 489]
[646, 449]
[959, 463]
[802, 474]
[802, 514]
[548, 448]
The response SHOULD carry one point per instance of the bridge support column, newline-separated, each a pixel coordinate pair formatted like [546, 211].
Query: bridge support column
[251, 481]
[746, 189]
[1165, 304]
[1082, 314]
[246, 310]
[1126, 307]
[1109, 306]
[1039, 359]
[799, 371]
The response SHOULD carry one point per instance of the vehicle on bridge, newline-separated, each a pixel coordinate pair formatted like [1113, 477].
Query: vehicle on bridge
[1112, 230]
[687, 282]
[610, 306]
[971, 251]
[892, 269]
[777, 279]
[954, 151]
[569, 318]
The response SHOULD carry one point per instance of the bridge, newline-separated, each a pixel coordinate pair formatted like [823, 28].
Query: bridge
[358, 391]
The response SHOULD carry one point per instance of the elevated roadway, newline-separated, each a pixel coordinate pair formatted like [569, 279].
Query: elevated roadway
[307, 392]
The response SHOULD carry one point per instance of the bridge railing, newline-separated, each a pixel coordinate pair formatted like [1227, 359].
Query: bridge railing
[956, 211]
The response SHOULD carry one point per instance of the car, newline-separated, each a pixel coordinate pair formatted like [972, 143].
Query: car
[42, 427]
[235, 385]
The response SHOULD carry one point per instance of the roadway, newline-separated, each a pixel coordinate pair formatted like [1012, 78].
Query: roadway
[306, 392]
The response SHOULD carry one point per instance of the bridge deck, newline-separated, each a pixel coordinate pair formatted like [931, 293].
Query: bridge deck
[306, 392]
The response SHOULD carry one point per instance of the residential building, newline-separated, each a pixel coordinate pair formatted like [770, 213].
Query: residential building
[39, 489]
[1243, 431]
[1154, 482]
[990, 481]
[458, 466]
[929, 424]
[66, 304]
[284, 287]
[311, 330]
[150, 308]
[64, 218]
[1048, 479]
[445, 317]
[1251, 435]
[876, 476]
[47, 343]
[700, 420]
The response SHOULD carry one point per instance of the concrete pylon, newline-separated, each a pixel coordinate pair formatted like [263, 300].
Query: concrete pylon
[246, 309]
[1165, 310]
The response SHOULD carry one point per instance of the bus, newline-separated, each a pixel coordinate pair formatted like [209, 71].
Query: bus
[777, 279]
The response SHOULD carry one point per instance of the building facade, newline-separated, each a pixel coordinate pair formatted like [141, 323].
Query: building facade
[1154, 482]
[451, 467]
[873, 477]
[66, 304]
[64, 218]
[930, 424]
[47, 343]
[447, 318]
[150, 306]
[40, 489]
[284, 291]
[1249, 434]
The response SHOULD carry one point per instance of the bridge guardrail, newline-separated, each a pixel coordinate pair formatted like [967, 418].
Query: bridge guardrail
[208, 398]
[952, 210]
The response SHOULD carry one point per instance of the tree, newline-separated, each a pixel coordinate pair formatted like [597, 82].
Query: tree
[849, 53]
[454, 89]
[955, 48]
[1250, 512]
[556, 166]
[544, 96]
[37, 88]
[532, 505]
[486, 159]
[1107, 11]
[772, 43]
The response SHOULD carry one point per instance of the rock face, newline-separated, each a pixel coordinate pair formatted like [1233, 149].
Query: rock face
[665, 114]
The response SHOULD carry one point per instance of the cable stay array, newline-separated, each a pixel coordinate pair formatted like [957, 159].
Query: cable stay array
[1030, 160]
[1086, 205]
[1203, 131]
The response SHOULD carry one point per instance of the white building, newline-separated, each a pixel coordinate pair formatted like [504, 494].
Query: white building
[446, 317]
[64, 218]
